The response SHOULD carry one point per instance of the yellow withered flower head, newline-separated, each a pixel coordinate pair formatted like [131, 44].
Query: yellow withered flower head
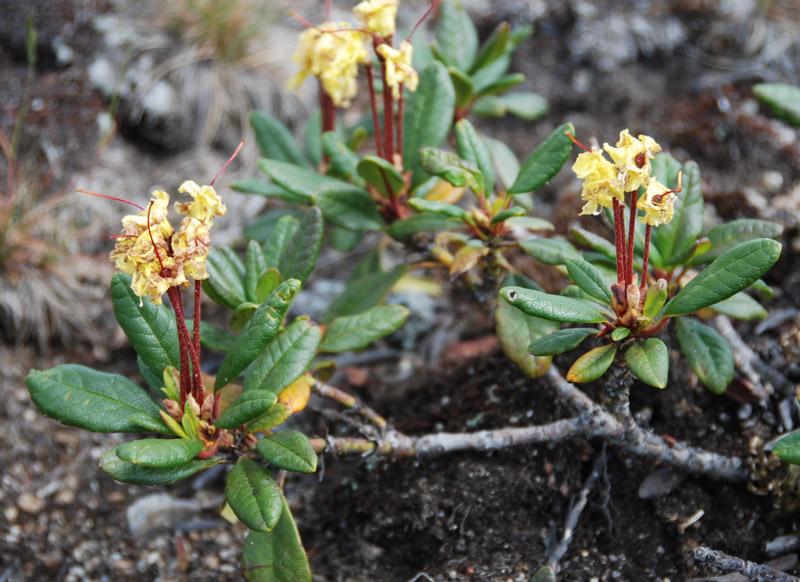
[332, 53]
[657, 203]
[398, 68]
[632, 157]
[378, 16]
[205, 204]
[600, 181]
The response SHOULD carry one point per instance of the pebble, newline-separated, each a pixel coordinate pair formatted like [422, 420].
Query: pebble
[159, 511]
[11, 513]
[29, 503]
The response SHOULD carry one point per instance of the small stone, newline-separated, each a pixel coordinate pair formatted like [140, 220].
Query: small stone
[64, 497]
[11, 513]
[158, 512]
[124, 565]
[29, 503]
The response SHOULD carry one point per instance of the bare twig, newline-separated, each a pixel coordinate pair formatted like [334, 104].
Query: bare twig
[726, 563]
[349, 401]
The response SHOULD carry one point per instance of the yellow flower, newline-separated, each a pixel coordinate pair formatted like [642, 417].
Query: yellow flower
[601, 184]
[657, 203]
[378, 16]
[632, 157]
[331, 53]
[206, 203]
[398, 68]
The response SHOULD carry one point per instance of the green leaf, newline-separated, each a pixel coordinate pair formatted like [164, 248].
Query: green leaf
[301, 181]
[405, 227]
[590, 279]
[527, 106]
[276, 414]
[254, 266]
[312, 138]
[724, 237]
[708, 354]
[516, 330]
[545, 161]
[649, 361]
[288, 450]
[246, 407]
[620, 333]
[595, 242]
[550, 251]
[299, 255]
[285, 358]
[353, 332]
[274, 140]
[544, 574]
[462, 85]
[279, 241]
[241, 315]
[363, 293]
[262, 188]
[344, 239]
[552, 307]
[92, 400]
[505, 162]
[348, 206]
[733, 271]
[782, 99]
[253, 495]
[342, 160]
[149, 376]
[215, 338]
[452, 168]
[473, 149]
[788, 448]
[225, 283]
[268, 282]
[381, 175]
[740, 306]
[277, 556]
[437, 207]
[142, 475]
[456, 37]
[428, 117]
[150, 328]
[258, 332]
[494, 47]
[592, 365]
[686, 226]
[263, 226]
[560, 341]
[529, 222]
[151, 423]
[654, 300]
[159, 453]
[513, 212]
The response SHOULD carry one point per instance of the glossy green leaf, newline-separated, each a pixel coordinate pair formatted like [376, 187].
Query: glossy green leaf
[241, 315]
[363, 293]
[215, 338]
[342, 161]
[496, 88]
[473, 149]
[92, 400]
[452, 168]
[590, 279]
[348, 206]
[344, 239]
[136, 474]
[725, 236]
[285, 358]
[276, 556]
[288, 450]
[462, 85]
[268, 282]
[254, 266]
[527, 106]
[438, 207]
[275, 140]
[276, 414]
[552, 307]
[301, 181]
[456, 37]
[225, 283]
[707, 352]
[405, 227]
[560, 341]
[153, 423]
[159, 453]
[620, 333]
[494, 47]
[266, 189]
[428, 116]
[686, 226]
[263, 226]
[545, 161]
[246, 407]
[279, 241]
[740, 306]
[506, 164]
[733, 271]
[654, 300]
[312, 138]
[648, 360]
[513, 212]
[592, 365]
[258, 332]
[550, 251]
[150, 328]
[149, 376]
[381, 175]
[253, 495]
[299, 255]
[782, 99]
[353, 332]
[788, 448]
[595, 242]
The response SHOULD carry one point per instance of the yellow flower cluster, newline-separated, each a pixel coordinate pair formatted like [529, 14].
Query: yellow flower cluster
[605, 181]
[378, 16]
[398, 68]
[332, 53]
[155, 254]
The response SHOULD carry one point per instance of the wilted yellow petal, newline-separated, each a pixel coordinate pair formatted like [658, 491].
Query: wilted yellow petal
[398, 68]
[378, 16]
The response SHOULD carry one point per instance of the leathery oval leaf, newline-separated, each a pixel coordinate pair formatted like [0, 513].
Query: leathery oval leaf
[143, 475]
[159, 453]
[253, 495]
[289, 450]
[245, 408]
[545, 161]
[276, 556]
[708, 354]
[353, 332]
[552, 307]
[560, 341]
[649, 361]
[592, 365]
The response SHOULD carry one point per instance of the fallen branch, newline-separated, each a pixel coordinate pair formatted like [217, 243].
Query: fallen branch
[726, 563]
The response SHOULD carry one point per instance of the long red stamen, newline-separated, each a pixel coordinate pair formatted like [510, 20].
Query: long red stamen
[109, 197]
[631, 233]
[230, 159]
[576, 142]
[430, 9]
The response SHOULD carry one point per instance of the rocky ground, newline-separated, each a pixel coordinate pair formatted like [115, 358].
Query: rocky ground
[679, 71]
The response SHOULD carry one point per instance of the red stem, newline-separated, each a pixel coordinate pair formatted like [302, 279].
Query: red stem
[196, 324]
[400, 104]
[646, 254]
[328, 114]
[619, 239]
[388, 118]
[631, 233]
[195, 379]
[175, 298]
[375, 121]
